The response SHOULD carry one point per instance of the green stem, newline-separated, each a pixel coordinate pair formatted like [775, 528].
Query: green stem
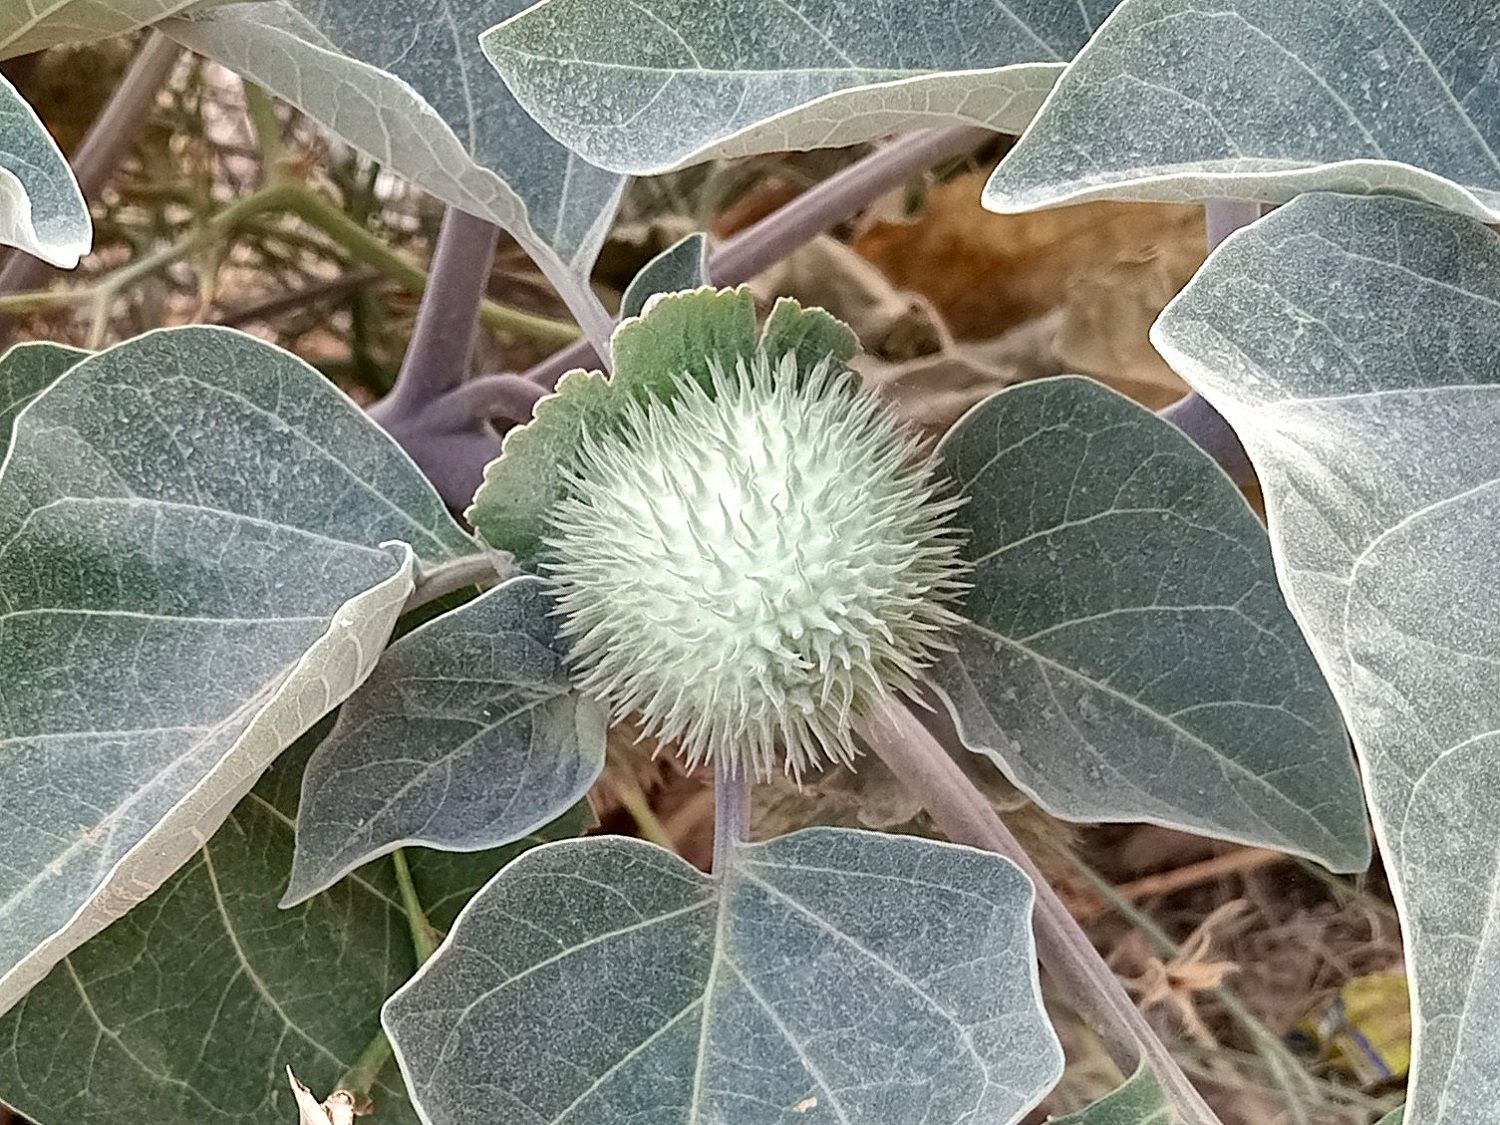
[361, 1077]
[365, 247]
[296, 199]
[424, 936]
[1274, 1056]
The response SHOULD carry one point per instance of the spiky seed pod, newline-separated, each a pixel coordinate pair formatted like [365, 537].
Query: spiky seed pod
[750, 569]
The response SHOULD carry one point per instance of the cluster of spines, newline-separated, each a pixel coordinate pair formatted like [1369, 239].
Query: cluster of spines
[750, 565]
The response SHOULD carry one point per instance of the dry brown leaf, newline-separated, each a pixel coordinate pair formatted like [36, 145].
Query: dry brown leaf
[1109, 267]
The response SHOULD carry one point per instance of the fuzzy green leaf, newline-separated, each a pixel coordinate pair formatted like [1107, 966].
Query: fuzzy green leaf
[528, 478]
[814, 334]
[1127, 654]
[1139, 1101]
[41, 207]
[205, 546]
[468, 735]
[827, 977]
[26, 370]
[683, 265]
[683, 334]
[1259, 99]
[655, 85]
[190, 1008]
[1353, 343]
[679, 334]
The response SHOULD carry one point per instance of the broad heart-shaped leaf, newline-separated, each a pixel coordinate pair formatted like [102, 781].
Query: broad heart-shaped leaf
[683, 265]
[1139, 1101]
[679, 335]
[190, 1007]
[654, 85]
[41, 207]
[467, 736]
[1127, 655]
[204, 547]
[26, 370]
[1354, 345]
[1262, 99]
[406, 83]
[829, 977]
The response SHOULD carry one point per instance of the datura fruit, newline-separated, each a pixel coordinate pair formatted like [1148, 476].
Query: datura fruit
[751, 564]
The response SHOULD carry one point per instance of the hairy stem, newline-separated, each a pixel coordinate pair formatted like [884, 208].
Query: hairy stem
[731, 810]
[108, 140]
[442, 342]
[1089, 985]
[831, 202]
[1191, 414]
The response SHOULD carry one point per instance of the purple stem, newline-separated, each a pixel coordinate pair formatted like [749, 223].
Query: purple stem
[731, 811]
[450, 445]
[814, 211]
[442, 343]
[1192, 414]
[965, 816]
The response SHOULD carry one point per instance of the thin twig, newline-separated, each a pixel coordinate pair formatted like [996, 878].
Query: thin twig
[831, 202]
[108, 140]
[1291, 1079]
[966, 817]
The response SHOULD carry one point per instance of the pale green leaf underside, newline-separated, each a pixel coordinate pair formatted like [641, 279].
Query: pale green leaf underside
[1127, 655]
[407, 84]
[467, 736]
[654, 85]
[32, 25]
[1139, 1101]
[41, 208]
[831, 978]
[1353, 343]
[1261, 99]
[204, 548]
[189, 1008]
[25, 371]
[683, 265]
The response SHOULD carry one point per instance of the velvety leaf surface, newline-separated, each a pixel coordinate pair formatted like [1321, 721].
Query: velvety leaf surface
[1139, 1101]
[1127, 655]
[829, 976]
[1261, 99]
[467, 735]
[190, 1007]
[25, 371]
[407, 84]
[683, 265]
[654, 85]
[41, 208]
[1353, 343]
[205, 546]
